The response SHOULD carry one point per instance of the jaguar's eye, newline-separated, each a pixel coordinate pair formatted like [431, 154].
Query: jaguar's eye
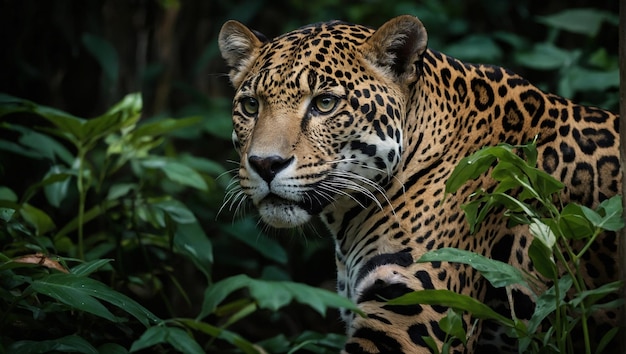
[250, 106]
[324, 103]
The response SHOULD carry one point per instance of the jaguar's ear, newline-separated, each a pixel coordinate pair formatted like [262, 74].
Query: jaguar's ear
[239, 46]
[398, 45]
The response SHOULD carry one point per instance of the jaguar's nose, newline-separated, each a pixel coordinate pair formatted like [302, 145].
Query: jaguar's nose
[268, 167]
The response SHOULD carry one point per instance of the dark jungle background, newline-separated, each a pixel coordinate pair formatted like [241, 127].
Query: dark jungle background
[83, 57]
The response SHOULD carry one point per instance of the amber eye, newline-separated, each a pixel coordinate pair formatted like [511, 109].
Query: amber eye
[250, 106]
[324, 103]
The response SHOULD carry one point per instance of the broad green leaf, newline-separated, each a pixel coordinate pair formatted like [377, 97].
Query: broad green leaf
[573, 224]
[451, 299]
[453, 325]
[176, 210]
[176, 337]
[124, 114]
[247, 232]
[542, 258]
[37, 218]
[119, 190]
[164, 126]
[592, 296]
[177, 172]
[498, 273]
[82, 293]
[611, 214]
[585, 21]
[545, 305]
[112, 348]
[475, 48]
[469, 168]
[190, 240]
[546, 56]
[68, 344]
[542, 232]
[217, 332]
[69, 126]
[273, 295]
[36, 145]
[56, 185]
[86, 268]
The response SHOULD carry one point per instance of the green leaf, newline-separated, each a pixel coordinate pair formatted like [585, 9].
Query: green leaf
[498, 273]
[190, 240]
[475, 48]
[176, 337]
[545, 305]
[247, 232]
[112, 348]
[176, 210]
[122, 115]
[451, 299]
[546, 56]
[104, 53]
[56, 185]
[542, 259]
[542, 232]
[68, 344]
[69, 126]
[177, 172]
[82, 293]
[452, 324]
[164, 126]
[611, 214]
[273, 295]
[36, 145]
[592, 296]
[573, 224]
[86, 268]
[38, 218]
[582, 21]
[216, 332]
[607, 338]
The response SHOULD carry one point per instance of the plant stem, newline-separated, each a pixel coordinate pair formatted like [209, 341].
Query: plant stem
[82, 196]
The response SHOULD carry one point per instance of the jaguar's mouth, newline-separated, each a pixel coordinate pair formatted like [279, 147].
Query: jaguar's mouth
[281, 212]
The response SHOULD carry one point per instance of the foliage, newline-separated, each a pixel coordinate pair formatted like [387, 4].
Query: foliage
[124, 191]
[530, 197]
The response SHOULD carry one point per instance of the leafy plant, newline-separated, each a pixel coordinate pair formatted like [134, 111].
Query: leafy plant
[103, 229]
[531, 197]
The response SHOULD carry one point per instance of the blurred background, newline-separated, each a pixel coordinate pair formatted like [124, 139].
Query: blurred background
[82, 57]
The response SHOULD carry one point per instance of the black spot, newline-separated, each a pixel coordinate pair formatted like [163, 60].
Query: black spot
[483, 94]
[513, 119]
[523, 305]
[417, 332]
[501, 251]
[550, 160]
[383, 342]
[424, 277]
[533, 104]
[461, 88]
[403, 259]
[567, 152]
[367, 149]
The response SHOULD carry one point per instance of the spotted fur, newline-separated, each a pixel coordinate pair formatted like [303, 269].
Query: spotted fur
[363, 127]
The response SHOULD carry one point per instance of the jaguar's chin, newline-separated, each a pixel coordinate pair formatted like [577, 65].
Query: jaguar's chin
[284, 213]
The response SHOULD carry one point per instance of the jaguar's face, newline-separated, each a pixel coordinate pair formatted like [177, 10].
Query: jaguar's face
[315, 120]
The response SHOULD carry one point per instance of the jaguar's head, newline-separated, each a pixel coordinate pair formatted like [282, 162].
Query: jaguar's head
[318, 112]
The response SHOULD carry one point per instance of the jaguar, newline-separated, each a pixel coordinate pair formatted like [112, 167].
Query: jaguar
[362, 127]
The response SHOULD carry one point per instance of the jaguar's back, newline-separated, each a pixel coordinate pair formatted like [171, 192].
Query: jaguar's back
[364, 127]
